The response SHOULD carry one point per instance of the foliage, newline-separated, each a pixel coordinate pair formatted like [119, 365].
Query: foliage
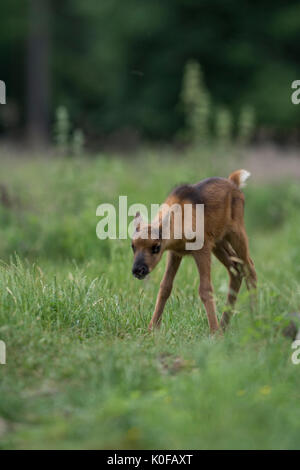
[196, 104]
[200, 116]
[246, 124]
[77, 142]
[81, 370]
[126, 69]
[62, 130]
[67, 143]
[224, 126]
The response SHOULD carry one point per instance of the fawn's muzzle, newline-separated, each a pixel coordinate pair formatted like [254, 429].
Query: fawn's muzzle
[140, 271]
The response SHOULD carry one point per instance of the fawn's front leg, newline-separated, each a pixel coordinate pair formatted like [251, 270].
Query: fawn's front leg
[165, 289]
[203, 261]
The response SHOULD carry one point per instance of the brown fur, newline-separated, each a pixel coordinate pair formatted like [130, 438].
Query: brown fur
[224, 236]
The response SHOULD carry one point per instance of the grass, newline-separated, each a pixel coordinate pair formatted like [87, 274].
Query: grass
[82, 371]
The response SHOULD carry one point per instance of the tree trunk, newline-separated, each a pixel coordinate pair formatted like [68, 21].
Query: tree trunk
[38, 73]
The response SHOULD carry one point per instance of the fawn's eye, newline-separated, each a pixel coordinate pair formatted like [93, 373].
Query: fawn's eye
[155, 249]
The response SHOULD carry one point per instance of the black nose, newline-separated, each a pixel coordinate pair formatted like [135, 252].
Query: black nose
[140, 271]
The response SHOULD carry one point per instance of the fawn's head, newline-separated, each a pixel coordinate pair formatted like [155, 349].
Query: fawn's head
[147, 246]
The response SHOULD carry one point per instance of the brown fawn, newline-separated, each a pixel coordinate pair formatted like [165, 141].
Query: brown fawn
[224, 236]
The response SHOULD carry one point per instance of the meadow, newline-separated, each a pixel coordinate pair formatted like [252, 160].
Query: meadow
[82, 371]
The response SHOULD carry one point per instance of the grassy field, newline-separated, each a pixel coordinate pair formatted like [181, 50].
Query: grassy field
[82, 371]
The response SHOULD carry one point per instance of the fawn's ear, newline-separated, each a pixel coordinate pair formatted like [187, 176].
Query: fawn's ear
[138, 221]
[164, 226]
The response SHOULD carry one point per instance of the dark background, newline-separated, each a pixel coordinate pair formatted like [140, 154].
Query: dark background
[117, 65]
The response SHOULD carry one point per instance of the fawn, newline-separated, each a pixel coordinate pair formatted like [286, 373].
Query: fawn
[224, 236]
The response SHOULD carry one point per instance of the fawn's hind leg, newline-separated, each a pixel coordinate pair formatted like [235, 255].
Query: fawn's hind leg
[227, 256]
[239, 241]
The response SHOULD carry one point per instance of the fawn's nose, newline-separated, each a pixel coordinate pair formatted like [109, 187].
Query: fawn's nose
[140, 271]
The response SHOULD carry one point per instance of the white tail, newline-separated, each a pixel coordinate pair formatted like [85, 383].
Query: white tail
[240, 177]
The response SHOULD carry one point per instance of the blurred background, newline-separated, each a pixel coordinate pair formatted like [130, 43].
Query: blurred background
[113, 73]
[132, 97]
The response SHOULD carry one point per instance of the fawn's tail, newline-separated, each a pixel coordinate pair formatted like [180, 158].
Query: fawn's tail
[239, 177]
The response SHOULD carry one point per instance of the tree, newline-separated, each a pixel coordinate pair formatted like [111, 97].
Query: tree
[38, 72]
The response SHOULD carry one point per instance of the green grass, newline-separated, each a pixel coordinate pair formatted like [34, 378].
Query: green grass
[82, 371]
